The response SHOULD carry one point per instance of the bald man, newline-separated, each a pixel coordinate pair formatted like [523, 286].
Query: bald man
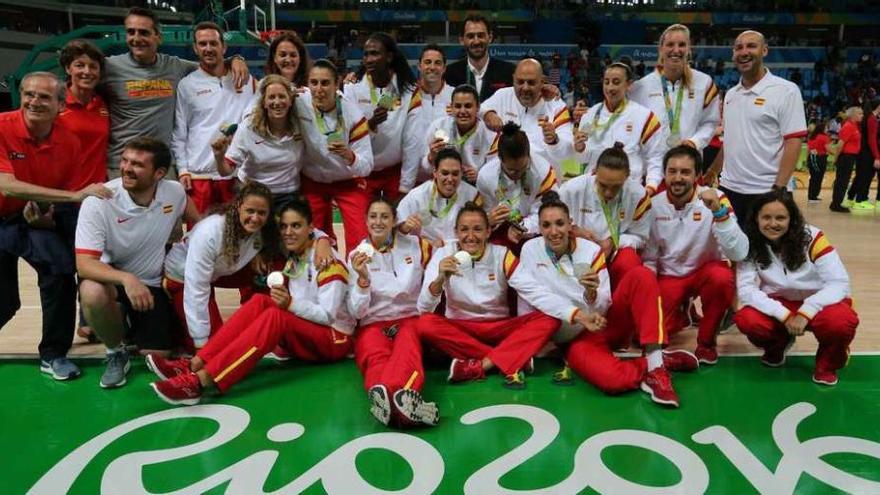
[764, 125]
[546, 122]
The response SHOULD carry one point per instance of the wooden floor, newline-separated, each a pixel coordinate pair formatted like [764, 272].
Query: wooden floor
[856, 237]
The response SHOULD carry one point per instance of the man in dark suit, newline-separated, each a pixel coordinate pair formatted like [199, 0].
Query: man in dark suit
[477, 68]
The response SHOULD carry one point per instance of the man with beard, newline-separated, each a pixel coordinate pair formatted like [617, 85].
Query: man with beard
[141, 85]
[430, 209]
[207, 104]
[430, 102]
[120, 250]
[36, 160]
[764, 124]
[693, 236]
[546, 123]
[485, 74]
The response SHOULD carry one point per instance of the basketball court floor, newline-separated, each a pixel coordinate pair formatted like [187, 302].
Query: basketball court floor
[294, 428]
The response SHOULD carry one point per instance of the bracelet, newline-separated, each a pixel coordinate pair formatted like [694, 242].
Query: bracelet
[722, 214]
[361, 284]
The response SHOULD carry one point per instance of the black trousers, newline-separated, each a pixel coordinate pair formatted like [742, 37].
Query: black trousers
[845, 164]
[817, 165]
[51, 256]
[742, 205]
[858, 190]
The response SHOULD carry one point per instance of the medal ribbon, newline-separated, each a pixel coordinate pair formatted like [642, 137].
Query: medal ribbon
[602, 129]
[673, 114]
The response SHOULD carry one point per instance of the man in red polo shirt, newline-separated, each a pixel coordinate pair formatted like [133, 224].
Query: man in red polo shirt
[850, 138]
[36, 160]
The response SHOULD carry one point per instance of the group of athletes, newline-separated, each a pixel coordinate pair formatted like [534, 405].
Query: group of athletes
[459, 233]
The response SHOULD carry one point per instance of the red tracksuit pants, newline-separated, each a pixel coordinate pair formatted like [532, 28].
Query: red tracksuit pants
[625, 259]
[635, 307]
[509, 342]
[207, 192]
[385, 181]
[352, 198]
[395, 362]
[834, 327]
[255, 329]
[713, 283]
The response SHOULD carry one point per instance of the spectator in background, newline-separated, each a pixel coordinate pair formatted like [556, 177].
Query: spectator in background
[850, 145]
[868, 162]
[817, 160]
[640, 69]
[485, 74]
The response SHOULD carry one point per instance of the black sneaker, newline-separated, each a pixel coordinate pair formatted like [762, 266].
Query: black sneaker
[839, 209]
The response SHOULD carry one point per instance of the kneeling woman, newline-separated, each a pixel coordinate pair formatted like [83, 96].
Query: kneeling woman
[793, 281]
[389, 267]
[565, 277]
[307, 317]
[477, 330]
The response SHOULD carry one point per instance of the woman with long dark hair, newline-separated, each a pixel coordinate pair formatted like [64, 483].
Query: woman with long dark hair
[306, 314]
[288, 57]
[793, 281]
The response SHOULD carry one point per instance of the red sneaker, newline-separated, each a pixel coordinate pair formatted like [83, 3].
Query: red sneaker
[680, 360]
[180, 390]
[167, 368]
[658, 384]
[466, 370]
[706, 355]
[278, 354]
[775, 358]
[825, 377]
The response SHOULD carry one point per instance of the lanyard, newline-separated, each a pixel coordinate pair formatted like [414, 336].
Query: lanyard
[602, 129]
[613, 222]
[674, 115]
[459, 142]
[322, 125]
[374, 97]
[557, 261]
[449, 203]
[501, 193]
[294, 269]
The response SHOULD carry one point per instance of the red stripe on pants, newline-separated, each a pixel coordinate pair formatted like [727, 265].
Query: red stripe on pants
[515, 340]
[392, 362]
[352, 198]
[635, 306]
[625, 259]
[834, 327]
[255, 329]
[713, 283]
[387, 181]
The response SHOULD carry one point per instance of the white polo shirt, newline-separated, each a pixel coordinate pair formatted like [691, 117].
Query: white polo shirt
[387, 141]
[756, 122]
[129, 237]
[275, 162]
[437, 213]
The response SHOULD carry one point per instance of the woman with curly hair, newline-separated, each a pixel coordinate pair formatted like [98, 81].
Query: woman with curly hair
[793, 281]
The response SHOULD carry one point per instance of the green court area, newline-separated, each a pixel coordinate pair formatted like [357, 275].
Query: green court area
[742, 428]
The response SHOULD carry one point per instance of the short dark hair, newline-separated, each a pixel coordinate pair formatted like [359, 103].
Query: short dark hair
[468, 89]
[684, 150]
[614, 158]
[143, 12]
[323, 63]
[446, 154]
[477, 18]
[627, 69]
[206, 25]
[160, 151]
[433, 47]
[77, 48]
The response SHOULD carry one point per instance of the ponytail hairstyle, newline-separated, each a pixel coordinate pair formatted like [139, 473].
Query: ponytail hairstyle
[686, 76]
[447, 153]
[323, 63]
[793, 244]
[513, 142]
[406, 80]
[614, 158]
[471, 207]
[551, 199]
[382, 199]
[626, 69]
[233, 231]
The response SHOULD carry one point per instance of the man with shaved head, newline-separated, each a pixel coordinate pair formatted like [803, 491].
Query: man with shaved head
[547, 123]
[764, 124]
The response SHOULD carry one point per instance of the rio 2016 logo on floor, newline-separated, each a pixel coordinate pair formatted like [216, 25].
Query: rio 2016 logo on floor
[338, 473]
